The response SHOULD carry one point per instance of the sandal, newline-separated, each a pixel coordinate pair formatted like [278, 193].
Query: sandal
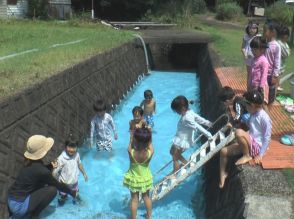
[288, 139]
[289, 108]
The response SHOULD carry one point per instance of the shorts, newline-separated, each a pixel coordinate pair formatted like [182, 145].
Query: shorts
[149, 120]
[18, 208]
[72, 187]
[105, 145]
[254, 147]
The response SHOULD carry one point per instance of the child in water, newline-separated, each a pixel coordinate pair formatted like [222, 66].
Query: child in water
[138, 179]
[149, 106]
[68, 168]
[138, 119]
[252, 144]
[102, 126]
[187, 124]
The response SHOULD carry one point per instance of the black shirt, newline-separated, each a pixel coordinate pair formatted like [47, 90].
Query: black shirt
[33, 177]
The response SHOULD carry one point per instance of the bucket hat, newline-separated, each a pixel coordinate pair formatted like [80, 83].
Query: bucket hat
[38, 146]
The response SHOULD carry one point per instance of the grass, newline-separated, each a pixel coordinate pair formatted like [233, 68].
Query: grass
[17, 36]
[227, 42]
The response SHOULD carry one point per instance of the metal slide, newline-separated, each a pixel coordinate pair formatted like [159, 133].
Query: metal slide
[207, 150]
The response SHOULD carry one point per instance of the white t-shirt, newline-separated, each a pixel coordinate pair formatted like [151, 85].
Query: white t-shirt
[68, 168]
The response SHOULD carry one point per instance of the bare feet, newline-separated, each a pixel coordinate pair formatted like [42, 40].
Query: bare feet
[222, 180]
[243, 160]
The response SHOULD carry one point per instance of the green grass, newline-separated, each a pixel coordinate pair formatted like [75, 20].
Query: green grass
[227, 42]
[16, 36]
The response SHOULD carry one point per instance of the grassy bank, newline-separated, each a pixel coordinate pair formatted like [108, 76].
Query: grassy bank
[59, 45]
[227, 42]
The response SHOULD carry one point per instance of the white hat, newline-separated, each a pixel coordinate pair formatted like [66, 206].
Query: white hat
[38, 146]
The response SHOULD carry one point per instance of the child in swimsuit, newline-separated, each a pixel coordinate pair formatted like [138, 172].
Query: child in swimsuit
[187, 124]
[138, 179]
[149, 106]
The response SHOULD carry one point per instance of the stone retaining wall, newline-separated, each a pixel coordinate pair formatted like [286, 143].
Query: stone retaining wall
[229, 202]
[62, 104]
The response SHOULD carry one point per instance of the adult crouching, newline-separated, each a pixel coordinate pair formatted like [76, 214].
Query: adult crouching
[34, 187]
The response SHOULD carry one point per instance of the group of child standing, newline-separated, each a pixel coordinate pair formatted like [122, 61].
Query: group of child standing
[265, 61]
[265, 57]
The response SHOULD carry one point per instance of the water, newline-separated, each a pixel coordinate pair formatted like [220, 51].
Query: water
[103, 195]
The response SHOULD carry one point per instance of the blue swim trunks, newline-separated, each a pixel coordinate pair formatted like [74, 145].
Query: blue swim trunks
[149, 120]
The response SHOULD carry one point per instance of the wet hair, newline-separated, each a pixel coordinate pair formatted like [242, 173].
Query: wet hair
[254, 96]
[138, 109]
[142, 135]
[71, 142]
[179, 103]
[251, 24]
[148, 93]
[258, 43]
[99, 106]
[283, 31]
[226, 93]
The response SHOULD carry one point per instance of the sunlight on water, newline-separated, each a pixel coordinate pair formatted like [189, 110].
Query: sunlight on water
[103, 196]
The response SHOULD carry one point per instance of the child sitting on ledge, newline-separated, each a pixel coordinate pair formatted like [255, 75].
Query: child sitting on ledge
[252, 144]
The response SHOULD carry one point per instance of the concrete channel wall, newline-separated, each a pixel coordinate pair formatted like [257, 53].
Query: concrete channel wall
[228, 203]
[62, 104]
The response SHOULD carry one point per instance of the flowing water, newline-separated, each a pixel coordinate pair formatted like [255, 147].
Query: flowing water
[104, 196]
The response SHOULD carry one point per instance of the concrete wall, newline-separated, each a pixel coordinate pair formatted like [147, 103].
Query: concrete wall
[229, 202]
[63, 104]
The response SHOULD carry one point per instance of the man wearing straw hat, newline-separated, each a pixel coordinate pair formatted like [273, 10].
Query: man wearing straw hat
[34, 187]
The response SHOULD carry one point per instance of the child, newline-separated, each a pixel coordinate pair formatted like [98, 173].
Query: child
[138, 120]
[148, 105]
[251, 31]
[273, 55]
[68, 168]
[102, 126]
[227, 95]
[252, 144]
[284, 34]
[138, 179]
[259, 67]
[186, 125]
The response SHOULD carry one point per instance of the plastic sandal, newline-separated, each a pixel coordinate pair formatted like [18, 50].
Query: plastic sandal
[289, 108]
[288, 139]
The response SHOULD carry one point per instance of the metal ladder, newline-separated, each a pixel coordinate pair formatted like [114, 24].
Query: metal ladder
[220, 139]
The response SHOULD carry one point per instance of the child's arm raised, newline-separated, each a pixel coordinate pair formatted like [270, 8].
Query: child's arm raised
[150, 148]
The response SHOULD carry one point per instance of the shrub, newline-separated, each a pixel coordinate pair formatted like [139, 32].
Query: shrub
[228, 11]
[38, 9]
[280, 12]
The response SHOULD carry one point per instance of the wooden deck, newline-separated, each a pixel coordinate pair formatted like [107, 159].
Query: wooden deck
[278, 155]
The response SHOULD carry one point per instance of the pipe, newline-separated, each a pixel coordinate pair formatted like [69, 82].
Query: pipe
[145, 51]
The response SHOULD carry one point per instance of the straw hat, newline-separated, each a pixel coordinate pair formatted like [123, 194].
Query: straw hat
[38, 146]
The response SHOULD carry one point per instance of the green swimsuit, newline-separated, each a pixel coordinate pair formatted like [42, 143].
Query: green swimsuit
[139, 178]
